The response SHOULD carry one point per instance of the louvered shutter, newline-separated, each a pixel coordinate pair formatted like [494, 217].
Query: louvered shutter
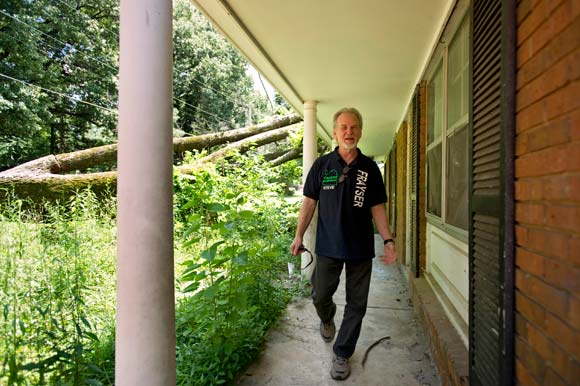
[415, 148]
[491, 194]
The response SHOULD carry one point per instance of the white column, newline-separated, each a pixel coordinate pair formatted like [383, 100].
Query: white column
[309, 154]
[145, 333]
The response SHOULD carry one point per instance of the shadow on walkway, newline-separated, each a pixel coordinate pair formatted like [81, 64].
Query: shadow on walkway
[295, 354]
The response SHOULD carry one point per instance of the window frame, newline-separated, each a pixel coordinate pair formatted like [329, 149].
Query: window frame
[446, 132]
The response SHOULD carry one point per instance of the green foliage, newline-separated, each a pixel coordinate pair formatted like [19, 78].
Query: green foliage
[236, 228]
[209, 75]
[57, 291]
[72, 48]
[232, 231]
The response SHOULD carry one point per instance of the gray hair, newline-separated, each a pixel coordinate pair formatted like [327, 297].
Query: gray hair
[350, 110]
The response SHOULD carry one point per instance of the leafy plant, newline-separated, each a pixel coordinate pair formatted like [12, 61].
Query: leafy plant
[232, 231]
[56, 293]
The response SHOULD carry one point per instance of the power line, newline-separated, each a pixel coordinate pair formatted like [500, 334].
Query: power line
[266, 91]
[58, 93]
[65, 44]
[202, 110]
[115, 68]
[89, 70]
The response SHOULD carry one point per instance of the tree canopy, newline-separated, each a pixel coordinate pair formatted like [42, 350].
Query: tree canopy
[59, 77]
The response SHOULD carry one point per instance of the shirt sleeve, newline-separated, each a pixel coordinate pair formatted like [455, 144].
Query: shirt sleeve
[312, 184]
[378, 191]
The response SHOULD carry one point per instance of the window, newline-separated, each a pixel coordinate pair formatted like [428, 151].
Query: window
[434, 181]
[447, 134]
[434, 129]
[435, 106]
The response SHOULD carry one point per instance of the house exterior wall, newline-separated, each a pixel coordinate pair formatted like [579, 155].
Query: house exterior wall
[401, 143]
[423, 178]
[547, 193]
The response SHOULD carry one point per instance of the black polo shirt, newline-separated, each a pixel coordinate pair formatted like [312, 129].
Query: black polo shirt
[345, 227]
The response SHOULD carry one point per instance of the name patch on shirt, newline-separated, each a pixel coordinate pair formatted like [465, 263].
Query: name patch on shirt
[361, 188]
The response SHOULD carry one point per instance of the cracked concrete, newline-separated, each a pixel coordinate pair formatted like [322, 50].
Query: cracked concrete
[296, 355]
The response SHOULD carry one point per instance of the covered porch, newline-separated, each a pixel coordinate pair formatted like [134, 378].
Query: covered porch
[320, 56]
[392, 345]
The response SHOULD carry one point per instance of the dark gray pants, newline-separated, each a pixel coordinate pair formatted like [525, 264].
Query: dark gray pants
[325, 279]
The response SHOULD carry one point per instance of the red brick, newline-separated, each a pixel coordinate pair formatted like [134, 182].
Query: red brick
[573, 246]
[556, 159]
[563, 100]
[521, 235]
[551, 133]
[565, 365]
[539, 342]
[521, 327]
[553, 379]
[524, 8]
[551, 298]
[533, 363]
[548, 243]
[530, 262]
[523, 376]
[553, 24]
[530, 310]
[522, 144]
[539, 15]
[562, 275]
[530, 213]
[561, 188]
[529, 190]
[559, 46]
[574, 313]
[572, 67]
[534, 343]
[565, 217]
[575, 124]
[561, 333]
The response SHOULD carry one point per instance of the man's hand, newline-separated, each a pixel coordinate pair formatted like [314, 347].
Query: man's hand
[390, 255]
[296, 247]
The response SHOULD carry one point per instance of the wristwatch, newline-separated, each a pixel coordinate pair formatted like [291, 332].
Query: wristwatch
[388, 241]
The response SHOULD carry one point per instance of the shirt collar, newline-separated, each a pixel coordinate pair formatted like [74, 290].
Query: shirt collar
[338, 158]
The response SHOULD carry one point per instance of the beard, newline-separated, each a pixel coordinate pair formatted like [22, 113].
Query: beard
[348, 146]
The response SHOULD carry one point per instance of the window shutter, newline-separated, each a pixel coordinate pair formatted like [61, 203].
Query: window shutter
[415, 148]
[491, 193]
[393, 189]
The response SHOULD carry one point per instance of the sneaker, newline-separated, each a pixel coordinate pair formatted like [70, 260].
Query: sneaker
[340, 368]
[327, 331]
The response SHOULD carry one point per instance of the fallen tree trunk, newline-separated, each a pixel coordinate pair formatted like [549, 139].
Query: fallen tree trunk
[39, 179]
[289, 155]
[247, 143]
[83, 159]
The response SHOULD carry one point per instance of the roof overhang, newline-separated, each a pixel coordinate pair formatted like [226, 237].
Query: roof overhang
[365, 54]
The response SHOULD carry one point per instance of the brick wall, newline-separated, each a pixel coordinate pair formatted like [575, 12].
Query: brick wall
[547, 341]
[401, 143]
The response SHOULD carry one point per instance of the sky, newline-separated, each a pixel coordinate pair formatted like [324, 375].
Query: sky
[258, 86]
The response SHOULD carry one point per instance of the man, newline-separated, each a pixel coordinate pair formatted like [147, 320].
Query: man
[350, 194]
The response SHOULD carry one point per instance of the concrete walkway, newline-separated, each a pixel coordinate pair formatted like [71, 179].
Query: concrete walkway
[296, 355]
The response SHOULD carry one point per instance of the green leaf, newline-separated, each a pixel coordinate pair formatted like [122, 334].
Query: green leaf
[215, 207]
[247, 214]
[209, 254]
[191, 287]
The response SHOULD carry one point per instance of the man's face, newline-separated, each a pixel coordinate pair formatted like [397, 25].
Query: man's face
[347, 131]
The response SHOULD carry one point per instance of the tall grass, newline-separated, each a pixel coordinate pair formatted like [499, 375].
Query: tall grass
[57, 291]
[57, 280]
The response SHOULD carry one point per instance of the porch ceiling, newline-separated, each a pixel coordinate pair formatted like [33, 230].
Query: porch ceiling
[366, 54]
